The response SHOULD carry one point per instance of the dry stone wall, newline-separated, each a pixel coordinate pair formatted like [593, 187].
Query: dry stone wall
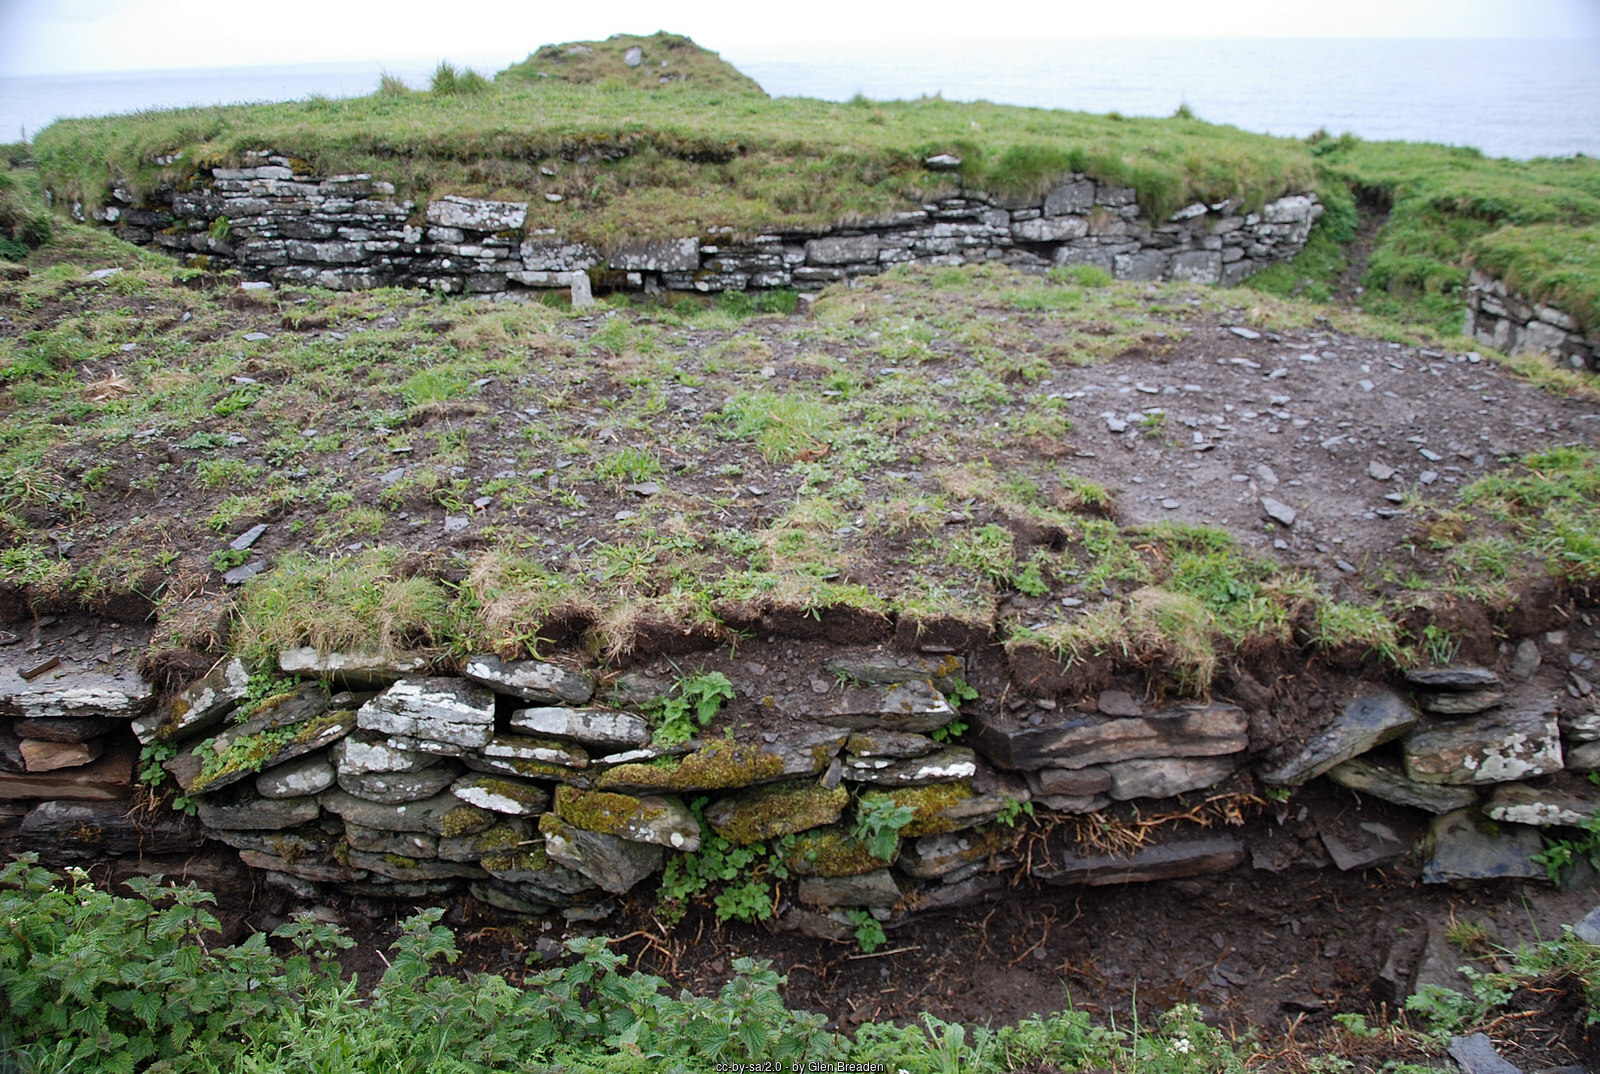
[1506, 321]
[534, 788]
[276, 223]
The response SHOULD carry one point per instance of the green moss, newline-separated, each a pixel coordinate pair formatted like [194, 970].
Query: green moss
[524, 794]
[928, 806]
[400, 861]
[464, 820]
[530, 859]
[830, 852]
[719, 766]
[600, 811]
[781, 809]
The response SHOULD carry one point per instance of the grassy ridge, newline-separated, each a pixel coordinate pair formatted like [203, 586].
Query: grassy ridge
[1547, 263]
[657, 164]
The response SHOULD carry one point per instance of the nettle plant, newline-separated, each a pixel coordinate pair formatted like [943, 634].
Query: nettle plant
[694, 703]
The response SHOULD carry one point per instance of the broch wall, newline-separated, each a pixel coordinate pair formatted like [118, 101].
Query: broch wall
[276, 223]
[535, 787]
[1499, 318]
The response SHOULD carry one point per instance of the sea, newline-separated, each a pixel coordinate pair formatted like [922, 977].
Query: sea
[1508, 98]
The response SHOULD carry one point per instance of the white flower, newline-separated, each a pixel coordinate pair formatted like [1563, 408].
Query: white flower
[1181, 1045]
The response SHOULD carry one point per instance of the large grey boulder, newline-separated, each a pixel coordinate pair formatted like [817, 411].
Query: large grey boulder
[615, 864]
[1075, 740]
[476, 214]
[531, 680]
[1496, 747]
[663, 255]
[1367, 721]
[441, 715]
[592, 727]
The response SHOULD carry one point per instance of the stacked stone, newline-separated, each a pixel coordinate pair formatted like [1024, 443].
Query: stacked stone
[275, 221]
[63, 734]
[1498, 317]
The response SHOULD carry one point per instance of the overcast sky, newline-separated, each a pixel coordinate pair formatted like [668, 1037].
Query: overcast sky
[63, 36]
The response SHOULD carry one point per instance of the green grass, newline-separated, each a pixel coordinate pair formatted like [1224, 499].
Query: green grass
[1548, 263]
[675, 163]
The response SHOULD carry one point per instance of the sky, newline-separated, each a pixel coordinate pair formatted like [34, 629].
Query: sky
[40, 37]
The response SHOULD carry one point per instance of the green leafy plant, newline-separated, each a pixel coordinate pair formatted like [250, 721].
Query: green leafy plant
[694, 702]
[878, 823]
[1561, 851]
[741, 878]
[1013, 811]
[869, 931]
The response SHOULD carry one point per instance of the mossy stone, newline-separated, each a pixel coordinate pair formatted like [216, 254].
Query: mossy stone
[776, 810]
[928, 805]
[641, 820]
[831, 852]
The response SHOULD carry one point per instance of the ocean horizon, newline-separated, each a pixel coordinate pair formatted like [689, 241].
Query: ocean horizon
[1518, 99]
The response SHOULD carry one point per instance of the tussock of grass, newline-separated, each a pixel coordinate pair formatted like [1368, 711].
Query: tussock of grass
[358, 604]
[1547, 263]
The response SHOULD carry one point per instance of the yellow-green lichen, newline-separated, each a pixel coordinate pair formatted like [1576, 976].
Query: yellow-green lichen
[831, 852]
[400, 861]
[777, 810]
[929, 806]
[719, 766]
[464, 820]
[500, 837]
[518, 859]
[602, 811]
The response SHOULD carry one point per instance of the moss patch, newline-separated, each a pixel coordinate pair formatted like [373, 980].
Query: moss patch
[465, 820]
[831, 852]
[781, 809]
[601, 811]
[928, 806]
[718, 766]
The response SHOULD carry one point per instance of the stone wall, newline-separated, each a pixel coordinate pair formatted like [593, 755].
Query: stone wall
[1508, 322]
[534, 788]
[277, 224]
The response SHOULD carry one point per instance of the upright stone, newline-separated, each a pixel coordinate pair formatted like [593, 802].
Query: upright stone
[201, 705]
[1369, 720]
[1497, 747]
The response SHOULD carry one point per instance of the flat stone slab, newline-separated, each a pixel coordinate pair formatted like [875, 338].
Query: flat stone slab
[907, 706]
[531, 680]
[108, 779]
[603, 728]
[1464, 846]
[886, 669]
[529, 748]
[876, 744]
[307, 776]
[1170, 860]
[934, 856]
[1459, 702]
[434, 712]
[443, 814]
[1076, 740]
[949, 764]
[41, 755]
[729, 765]
[1476, 1055]
[76, 694]
[1496, 747]
[1367, 721]
[1071, 782]
[201, 705]
[508, 833]
[501, 794]
[105, 829]
[615, 864]
[1580, 726]
[393, 788]
[1391, 785]
[321, 872]
[775, 810]
[257, 814]
[365, 752]
[66, 728]
[874, 889]
[407, 844]
[352, 669]
[650, 819]
[400, 867]
[1515, 803]
[240, 752]
[1167, 777]
[1452, 678]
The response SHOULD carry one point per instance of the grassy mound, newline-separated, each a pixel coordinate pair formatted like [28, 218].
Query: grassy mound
[665, 62]
[1547, 263]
